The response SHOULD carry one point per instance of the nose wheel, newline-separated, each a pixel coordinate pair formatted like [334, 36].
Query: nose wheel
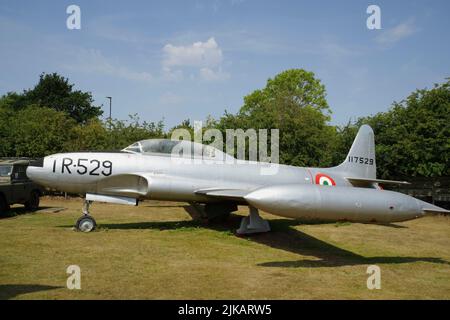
[86, 223]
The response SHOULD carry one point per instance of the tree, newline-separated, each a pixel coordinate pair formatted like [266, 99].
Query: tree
[344, 139]
[297, 87]
[91, 136]
[124, 133]
[413, 137]
[55, 92]
[295, 103]
[6, 145]
[36, 132]
[95, 135]
[185, 124]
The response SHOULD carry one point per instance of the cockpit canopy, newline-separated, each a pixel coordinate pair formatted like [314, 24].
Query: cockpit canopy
[180, 148]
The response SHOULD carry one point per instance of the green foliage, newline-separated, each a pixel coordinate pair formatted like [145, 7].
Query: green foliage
[209, 123]
[112, 135]
[185, 124]
[124, 133]
[34, 131]
[6, 144]
[295, 87]
[344, 139]
[55, 92]
[293, 102]
[52, 118]
[413, 137]
[90, 136]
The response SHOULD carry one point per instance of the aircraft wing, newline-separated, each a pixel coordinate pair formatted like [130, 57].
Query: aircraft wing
[363, 182]
[136, 185]
[226, 194]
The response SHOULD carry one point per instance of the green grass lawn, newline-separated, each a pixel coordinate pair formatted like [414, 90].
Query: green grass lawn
[155, 251]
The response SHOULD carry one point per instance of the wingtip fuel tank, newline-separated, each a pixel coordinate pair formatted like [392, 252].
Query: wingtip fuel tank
[337, 203]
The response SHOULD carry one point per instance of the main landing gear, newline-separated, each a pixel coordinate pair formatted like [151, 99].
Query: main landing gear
[86, 223]
[253, 223]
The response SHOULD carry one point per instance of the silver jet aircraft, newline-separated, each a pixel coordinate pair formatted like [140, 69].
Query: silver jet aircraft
[149, 169]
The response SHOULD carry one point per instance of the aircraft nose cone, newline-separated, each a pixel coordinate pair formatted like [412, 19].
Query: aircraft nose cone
[35, 169]
[31, 172]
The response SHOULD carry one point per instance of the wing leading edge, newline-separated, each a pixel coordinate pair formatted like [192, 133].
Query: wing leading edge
[225, 194]
[366, 182]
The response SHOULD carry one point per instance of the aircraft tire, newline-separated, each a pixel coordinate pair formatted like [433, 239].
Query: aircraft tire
[86, 224]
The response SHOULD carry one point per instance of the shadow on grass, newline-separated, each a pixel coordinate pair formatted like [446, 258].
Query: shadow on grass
[161, 206]
[9, 291]
[17, 211]
[284, 237]
[158, 225]
[327, 255]
[392, 225]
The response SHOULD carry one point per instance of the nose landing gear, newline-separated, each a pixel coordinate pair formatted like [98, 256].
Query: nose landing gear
[86, 223]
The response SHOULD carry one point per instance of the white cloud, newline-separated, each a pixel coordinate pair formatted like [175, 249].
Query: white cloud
[199, 54]
[211, 75]
[172, 75]
[397, 33]
[93, 61]
[206, 57]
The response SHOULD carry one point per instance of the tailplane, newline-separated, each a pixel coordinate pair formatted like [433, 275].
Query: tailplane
[360, 160]
[359, 167]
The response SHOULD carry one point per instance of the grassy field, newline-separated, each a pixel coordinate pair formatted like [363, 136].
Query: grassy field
[155, 251]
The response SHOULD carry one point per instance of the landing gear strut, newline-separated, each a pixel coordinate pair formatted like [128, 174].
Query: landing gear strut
[253, 223]
[86, 223]
[212, 212]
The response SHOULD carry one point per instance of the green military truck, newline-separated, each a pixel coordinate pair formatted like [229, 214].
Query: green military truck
[15, 187]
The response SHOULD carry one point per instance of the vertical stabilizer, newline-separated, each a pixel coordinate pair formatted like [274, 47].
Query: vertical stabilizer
[360, 161]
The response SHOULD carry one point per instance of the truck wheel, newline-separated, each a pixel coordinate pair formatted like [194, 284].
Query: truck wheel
[4, 207]
[33, 203]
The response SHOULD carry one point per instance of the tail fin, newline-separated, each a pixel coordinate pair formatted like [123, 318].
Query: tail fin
[360, 161]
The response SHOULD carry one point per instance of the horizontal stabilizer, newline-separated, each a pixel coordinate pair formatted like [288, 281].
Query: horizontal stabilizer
[365, 181]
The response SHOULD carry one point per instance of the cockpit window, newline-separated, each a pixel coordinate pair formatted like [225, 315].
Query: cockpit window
[181, 148]
[135, 148]
[5, 171]
[210, 152]
[159, 146]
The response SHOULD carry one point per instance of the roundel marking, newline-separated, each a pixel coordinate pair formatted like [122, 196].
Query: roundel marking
[324, 180]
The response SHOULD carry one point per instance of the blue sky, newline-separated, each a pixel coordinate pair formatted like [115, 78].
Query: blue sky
[189, 59]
